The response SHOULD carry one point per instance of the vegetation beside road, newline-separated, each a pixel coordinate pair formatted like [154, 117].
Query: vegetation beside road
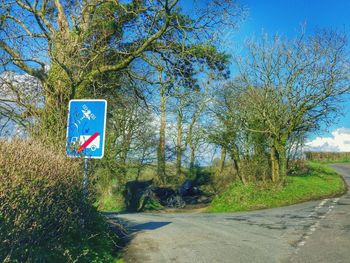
[172, 97]
[308, 182]
[43, 215]
[319, 182]
[173, 103]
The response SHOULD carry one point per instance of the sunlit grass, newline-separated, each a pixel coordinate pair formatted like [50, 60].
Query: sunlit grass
[320, 182]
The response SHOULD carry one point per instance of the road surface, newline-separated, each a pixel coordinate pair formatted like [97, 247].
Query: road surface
[317, 231]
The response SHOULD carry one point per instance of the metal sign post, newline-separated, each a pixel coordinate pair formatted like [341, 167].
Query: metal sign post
[85, 178]
[86, 132]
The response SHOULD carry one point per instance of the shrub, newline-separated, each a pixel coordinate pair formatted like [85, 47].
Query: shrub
[298, 167]
[41, 205]
[108, 191]
[221, 181]
[256, 169]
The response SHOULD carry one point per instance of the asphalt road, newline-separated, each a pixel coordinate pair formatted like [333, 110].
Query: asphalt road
[317, 231]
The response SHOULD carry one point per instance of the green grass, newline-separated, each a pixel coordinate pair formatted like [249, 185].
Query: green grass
[320, 182]
[99, 248]
[97, 245]
[110, 203]
[330, 161]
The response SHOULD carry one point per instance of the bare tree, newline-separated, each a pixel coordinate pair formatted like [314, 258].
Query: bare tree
[20, 96]
[292, 87]
[195, 134]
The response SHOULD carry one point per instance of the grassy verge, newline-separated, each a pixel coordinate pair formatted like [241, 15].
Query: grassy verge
[96, 245]
[320, 182]
[110, 203]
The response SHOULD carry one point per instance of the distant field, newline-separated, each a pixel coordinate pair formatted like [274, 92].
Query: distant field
[320, 182]
[328, 157]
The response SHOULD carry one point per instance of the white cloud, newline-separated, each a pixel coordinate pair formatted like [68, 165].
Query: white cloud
[338, 142]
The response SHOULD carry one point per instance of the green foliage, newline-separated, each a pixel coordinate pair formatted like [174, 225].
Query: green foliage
[42, 209]
[113, 202]
[151, 204]
[210, 55]
[109, 191]
[52, 119]
[320, 182]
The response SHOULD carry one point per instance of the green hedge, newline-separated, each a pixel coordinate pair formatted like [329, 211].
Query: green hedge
[41, 205]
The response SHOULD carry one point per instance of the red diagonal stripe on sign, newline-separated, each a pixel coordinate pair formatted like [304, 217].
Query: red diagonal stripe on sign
[87, 142]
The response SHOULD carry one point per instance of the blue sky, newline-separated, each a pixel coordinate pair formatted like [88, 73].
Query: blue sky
[285, 17]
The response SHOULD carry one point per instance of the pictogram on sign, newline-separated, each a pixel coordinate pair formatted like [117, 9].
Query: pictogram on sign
[86, 128]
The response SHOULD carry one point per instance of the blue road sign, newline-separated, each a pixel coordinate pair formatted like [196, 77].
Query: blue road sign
[86, 128]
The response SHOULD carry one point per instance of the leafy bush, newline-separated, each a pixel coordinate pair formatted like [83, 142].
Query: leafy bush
[256, 169]
[298, 167]
[41, 205]
[253, 170]
[108, 191]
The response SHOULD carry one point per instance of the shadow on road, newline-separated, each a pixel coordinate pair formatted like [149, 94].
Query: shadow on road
[127, 230]
[132, 227]
[149, 226]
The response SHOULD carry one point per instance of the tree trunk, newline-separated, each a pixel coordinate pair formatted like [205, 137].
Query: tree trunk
[222, 160]
[238, 171]
[282, 162]
[179, 144]
[192, 151]
[141, 164]
[236, 166]
[161, 148]
[52, 123]
[234, 154]
[192, 160]
[275, 173]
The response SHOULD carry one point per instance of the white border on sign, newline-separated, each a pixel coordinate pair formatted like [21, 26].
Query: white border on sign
[104, 128]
